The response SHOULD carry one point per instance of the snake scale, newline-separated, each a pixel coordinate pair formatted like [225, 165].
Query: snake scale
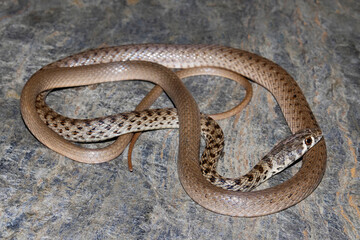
[107, 64]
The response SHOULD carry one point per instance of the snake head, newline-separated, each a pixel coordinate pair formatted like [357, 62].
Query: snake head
[293, 148]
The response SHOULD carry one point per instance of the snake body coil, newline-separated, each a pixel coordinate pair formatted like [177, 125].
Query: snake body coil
[88, 67]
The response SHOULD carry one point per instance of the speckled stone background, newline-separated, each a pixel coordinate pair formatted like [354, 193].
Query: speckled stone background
[46, 196]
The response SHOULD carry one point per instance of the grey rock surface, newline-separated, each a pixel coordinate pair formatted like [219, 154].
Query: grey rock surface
[44, 195]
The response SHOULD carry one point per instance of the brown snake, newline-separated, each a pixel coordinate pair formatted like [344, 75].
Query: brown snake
[264, 72]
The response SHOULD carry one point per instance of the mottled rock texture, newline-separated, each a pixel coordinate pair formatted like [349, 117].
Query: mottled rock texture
[46, 196]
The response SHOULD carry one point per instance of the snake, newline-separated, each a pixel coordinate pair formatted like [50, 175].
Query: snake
[105, 64]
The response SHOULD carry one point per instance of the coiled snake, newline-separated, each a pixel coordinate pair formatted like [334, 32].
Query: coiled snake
[111, 64]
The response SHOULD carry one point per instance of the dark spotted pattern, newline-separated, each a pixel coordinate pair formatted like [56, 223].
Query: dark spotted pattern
[99, 129]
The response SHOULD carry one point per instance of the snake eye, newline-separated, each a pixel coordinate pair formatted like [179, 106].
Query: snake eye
[308, 141]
